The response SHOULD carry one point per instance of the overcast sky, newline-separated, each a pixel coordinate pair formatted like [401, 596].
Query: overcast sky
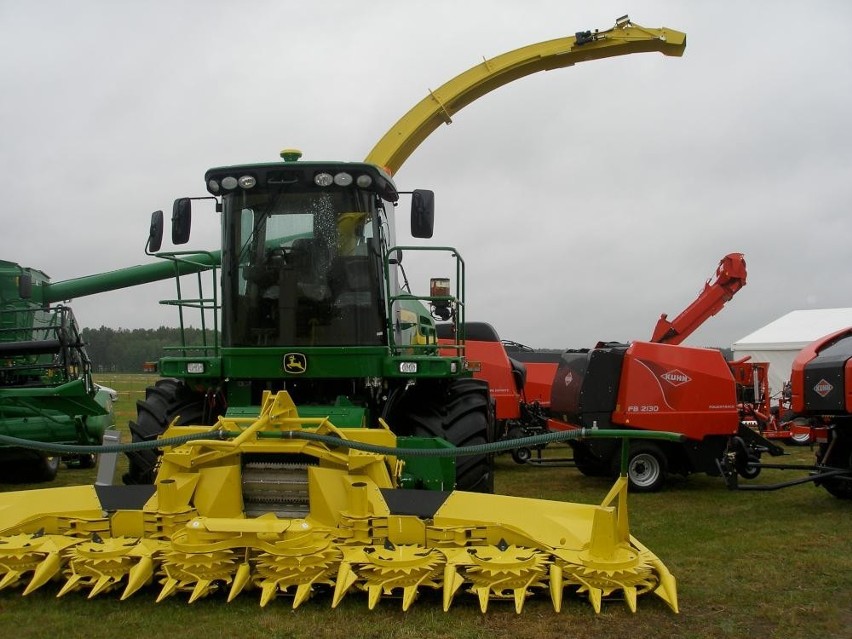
[585, 201]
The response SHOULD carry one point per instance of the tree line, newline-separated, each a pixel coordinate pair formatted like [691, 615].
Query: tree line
[127, 350]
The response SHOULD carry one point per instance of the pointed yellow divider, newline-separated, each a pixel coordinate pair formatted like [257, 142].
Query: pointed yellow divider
[39, 554]
[241, 579]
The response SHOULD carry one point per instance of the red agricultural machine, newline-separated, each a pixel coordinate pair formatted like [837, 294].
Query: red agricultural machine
[821, 404]
[718, 406]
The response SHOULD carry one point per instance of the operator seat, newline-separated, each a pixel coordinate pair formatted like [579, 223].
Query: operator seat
[357, 314]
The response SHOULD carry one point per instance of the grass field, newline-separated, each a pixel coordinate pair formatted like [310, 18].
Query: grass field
[754, 565]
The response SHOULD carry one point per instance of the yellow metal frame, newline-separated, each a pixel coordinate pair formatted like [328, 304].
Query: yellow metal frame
[193, 536]
[441, 104]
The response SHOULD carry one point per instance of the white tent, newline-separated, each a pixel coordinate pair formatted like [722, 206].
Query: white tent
[780, 341]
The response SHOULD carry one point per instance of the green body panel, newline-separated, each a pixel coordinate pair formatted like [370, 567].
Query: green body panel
[342, 416]
[10, 284]
[71, 398]
[342, 362]
[63, 415]
[432, 473]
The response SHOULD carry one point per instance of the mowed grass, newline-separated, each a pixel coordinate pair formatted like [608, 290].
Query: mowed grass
[776, 564]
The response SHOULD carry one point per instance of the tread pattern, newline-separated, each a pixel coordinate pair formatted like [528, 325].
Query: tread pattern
[164, 401]
[458, 411]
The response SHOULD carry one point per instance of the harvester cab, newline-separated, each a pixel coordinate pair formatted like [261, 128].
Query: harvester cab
[311, 303]
[306, 253]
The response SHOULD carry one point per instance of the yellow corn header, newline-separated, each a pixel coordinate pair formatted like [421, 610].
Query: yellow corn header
[257, 507]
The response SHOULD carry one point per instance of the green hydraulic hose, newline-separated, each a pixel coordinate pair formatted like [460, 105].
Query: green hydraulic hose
[336, 442]
[75, 449]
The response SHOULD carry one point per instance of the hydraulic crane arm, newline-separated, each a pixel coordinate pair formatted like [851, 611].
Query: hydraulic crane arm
[441, 104]
[730, 278]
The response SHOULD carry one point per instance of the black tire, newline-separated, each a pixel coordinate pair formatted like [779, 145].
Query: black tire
[746, 471]
[589, 464]
[164, 401]
[81, 462]
[46, 468]
[27, 466]
[458, 411]
[521, 455]
[841, 457]
[646, 467]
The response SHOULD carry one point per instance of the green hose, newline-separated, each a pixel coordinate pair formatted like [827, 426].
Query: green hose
[337, 442]
[75, 449]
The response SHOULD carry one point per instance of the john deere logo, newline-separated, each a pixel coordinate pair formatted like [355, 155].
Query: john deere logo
[676, 378]
[823, 388]
[295, 363]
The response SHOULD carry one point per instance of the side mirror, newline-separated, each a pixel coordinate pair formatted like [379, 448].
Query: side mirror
[181, 220]
[155, 233]
[422, 213]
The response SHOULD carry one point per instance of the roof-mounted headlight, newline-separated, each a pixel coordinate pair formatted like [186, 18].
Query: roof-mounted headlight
[213, 186]
[323, 179]
[343, 179]
[229, 183]
[364, 181]
[247, 181]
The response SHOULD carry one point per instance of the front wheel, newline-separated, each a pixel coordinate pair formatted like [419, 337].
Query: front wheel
[165, 401]
[458, 411]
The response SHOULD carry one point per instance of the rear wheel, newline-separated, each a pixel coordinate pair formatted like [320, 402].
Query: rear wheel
[164, 401]
[646, 468]
[841, 457]
[588, 463]
[46, 468]
[457, 411]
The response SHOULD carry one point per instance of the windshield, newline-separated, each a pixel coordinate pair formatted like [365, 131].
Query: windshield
[303, 268]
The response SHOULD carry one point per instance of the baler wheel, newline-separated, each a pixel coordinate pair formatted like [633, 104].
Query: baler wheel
[457, 411]
[646, 468]
[164, 401]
